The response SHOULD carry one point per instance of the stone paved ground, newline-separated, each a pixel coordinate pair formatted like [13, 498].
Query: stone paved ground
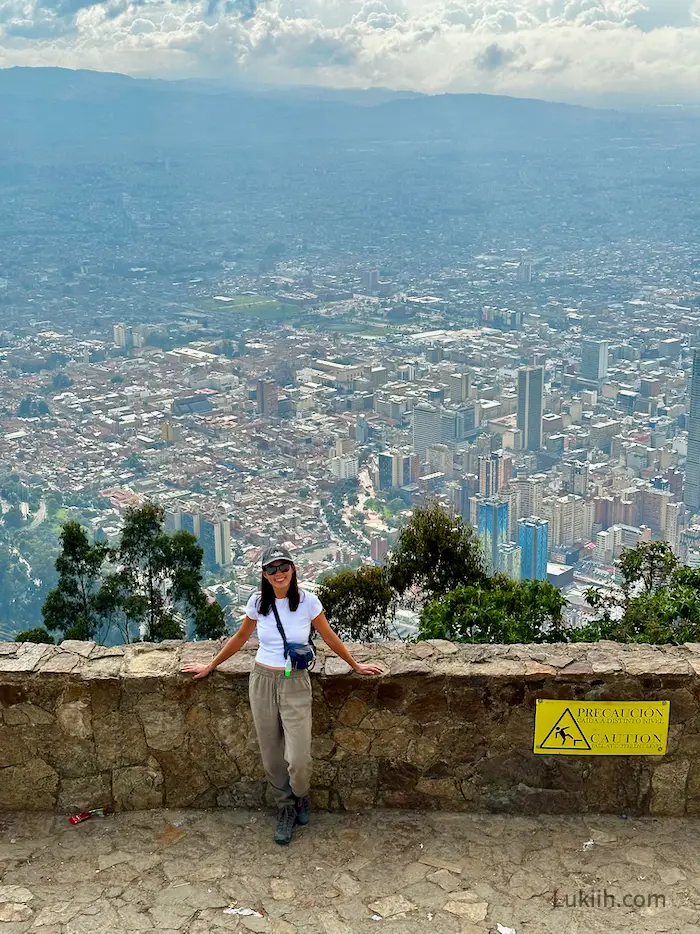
[448, 873]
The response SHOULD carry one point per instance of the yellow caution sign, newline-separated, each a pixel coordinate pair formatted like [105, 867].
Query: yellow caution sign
[601, 728]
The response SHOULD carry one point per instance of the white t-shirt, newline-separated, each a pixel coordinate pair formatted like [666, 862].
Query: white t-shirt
[297, 626]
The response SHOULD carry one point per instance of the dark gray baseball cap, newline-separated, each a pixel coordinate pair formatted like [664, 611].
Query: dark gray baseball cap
[276, 553]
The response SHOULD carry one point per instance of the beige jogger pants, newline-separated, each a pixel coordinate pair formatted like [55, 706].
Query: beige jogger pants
[281, 709]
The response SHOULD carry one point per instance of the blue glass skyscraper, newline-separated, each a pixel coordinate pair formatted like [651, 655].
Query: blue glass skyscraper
[534, 546]
[493, 529]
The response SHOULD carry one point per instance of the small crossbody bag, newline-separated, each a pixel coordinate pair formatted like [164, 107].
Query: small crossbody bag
[297, 656]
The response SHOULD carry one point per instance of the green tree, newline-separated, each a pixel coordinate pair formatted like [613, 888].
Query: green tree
[648, 566]
[134, 462]
[500, 610]
[210, 621]
[72, 606]
[435, 553]
[359, 604]
[638, 608]
[668, 614]
[161, 575]
[35, 635]
[25, 408]
[13, 518]
[61, 380]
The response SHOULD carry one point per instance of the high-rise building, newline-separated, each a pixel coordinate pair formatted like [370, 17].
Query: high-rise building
[531, 491]
[493, 529]
[394, 469]
[190, 522]
[459, 385]
[594, 360]
[524, 271]
[426, 428]
[570, 520]
[533, 538]
[530, 406]
[215, 539]
[378, 549]
[575, 477]
[345, 467]
[509, 560]
[441, 458]
[370, 279]
[119, 331]
[691, 494]
[494, 472]
[449, 425]
[385, 467]
[267, 397]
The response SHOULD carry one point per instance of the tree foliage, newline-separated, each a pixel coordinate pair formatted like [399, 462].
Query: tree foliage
[72, 606]
[162, 575]
[359, 604]
[435, 553]
[499, 610]
[150, 584]
[658, 601]
[38, 635]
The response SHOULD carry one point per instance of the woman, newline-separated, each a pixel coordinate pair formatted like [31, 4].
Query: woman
[280, 699]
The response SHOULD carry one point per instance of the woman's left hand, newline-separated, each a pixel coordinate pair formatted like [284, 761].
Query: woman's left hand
[369, 669]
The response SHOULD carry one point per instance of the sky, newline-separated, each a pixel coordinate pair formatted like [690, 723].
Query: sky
[575, 50]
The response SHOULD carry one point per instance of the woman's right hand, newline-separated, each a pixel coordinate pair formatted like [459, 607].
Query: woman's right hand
[200, 671]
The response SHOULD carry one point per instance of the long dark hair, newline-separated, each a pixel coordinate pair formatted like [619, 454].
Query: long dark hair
[267, 595]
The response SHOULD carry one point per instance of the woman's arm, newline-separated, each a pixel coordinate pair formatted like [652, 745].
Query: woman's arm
[335, 644]
[234, 644]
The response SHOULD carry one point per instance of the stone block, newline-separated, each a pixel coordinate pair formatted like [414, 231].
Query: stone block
[13, 748]
[163, 723]
[446, 789]
[139, 787]
[322, 747]
[70, 757]
[429, 704]
[105, 696]
[391, 744]
[75, 718]
[60, 662]
[120, 741]
[353, 741]
[102, 667]
[668, 788]
[184, 781]
[147, 661]
[442, 646]
[84, 793]
[353, 711]
[84, 649]
[335, 666]
[28, 715]
[27, 658]
[29, 786]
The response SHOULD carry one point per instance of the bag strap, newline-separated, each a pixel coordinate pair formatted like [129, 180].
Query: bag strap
[281, 630]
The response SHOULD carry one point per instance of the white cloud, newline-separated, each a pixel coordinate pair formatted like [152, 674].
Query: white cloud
[558, 48]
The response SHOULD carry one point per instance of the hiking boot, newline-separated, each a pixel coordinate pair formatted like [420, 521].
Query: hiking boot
[286, 819]
[303, 810]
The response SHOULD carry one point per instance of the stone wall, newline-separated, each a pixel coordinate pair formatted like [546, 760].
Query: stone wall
[446, 727]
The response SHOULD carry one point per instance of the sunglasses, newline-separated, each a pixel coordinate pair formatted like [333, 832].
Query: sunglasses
[271, 569]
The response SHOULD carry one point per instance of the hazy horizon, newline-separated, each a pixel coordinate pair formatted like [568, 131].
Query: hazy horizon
[577, 51]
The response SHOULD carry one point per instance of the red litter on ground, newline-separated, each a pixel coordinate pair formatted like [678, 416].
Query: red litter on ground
[86, 815]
